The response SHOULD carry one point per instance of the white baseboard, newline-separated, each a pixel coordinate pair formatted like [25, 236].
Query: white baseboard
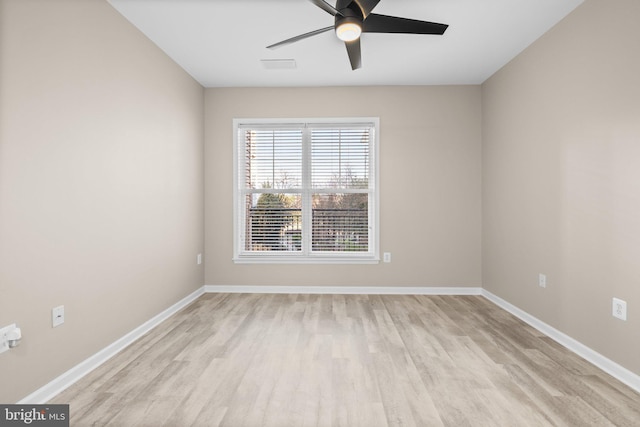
[343, 290]
[620, 373]
[59, 384]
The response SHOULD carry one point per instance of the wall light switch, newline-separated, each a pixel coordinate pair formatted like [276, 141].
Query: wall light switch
[386, 257]
[199, 259]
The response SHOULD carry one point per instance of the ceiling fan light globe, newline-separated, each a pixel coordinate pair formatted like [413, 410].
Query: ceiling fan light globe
[348, 31]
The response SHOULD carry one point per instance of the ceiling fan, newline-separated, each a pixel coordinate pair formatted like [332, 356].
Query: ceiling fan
[354, 17]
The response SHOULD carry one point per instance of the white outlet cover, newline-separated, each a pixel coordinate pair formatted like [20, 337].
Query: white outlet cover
[542, 280]
[4, 344]
[57, 316]
[619, 309]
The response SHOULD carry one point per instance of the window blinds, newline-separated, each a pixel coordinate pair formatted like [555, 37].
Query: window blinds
[305, 189]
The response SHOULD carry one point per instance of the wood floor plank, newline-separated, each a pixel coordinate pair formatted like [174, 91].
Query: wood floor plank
[347, 360]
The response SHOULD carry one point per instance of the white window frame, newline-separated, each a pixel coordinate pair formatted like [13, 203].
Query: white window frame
[286, 257]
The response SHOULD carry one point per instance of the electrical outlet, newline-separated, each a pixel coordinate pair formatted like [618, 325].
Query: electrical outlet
[542, 280]
[386, 257]
[57, 316]
[619, 309]
[4, 342]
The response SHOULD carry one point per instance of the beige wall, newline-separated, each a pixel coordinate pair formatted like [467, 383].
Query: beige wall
[429, 173]
[561, 178]
[101, 183]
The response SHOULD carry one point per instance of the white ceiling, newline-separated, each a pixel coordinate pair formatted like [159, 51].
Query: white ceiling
[221, 42]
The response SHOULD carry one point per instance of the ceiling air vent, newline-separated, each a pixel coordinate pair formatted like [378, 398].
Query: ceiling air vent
[278, 64]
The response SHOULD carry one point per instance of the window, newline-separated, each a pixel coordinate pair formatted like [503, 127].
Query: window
[306, 191]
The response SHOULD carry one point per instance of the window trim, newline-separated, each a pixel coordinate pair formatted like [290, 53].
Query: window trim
[371, 257]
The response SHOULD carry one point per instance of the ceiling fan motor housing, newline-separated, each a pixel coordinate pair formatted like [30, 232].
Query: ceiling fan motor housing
[348, 24]
[351, 16]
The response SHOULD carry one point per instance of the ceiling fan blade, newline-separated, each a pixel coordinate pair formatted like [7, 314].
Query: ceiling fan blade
[326, 7]
[300, 37]
[366, 6]
[353, 50]
[392, 24]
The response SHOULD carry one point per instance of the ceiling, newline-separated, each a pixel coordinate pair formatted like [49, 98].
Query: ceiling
[221, 42]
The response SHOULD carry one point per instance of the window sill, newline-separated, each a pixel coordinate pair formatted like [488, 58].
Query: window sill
[250, 259]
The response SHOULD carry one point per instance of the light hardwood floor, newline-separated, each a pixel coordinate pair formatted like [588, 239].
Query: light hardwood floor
[347, 360]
